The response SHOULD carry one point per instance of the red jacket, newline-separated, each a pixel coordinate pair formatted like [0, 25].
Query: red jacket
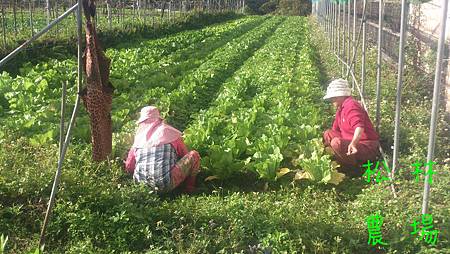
[351, 115]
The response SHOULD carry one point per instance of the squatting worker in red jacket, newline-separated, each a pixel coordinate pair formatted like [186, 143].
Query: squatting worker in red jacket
[352, 137]
[159, 157]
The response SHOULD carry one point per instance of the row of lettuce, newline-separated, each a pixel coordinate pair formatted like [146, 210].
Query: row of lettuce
[198, 85]
[267, 115]
[30, 103]
[245, 93]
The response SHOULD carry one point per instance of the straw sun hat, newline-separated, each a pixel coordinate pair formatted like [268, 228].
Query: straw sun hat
[338, 87]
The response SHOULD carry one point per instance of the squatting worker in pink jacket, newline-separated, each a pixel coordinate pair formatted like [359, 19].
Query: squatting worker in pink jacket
[352, 137]
[159, 157]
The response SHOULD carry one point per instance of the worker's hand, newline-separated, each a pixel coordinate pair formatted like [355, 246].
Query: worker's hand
[351, 149]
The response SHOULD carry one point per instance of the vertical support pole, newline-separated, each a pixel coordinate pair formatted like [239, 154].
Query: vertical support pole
[117, 11]
[318, 9]
[122, 13]
[435, 107]
[348, 36]
[321, 14]
[134, 10]
[325, 16]
[379, 62]
[63, 110]
[343, 39]
[328, 23]
[47, 9]
[401, 59]
[332, 26]
[318, 13]
[108, 9]
[336, 19]
[354, 39]
[21, 16]
[139, 9]
[169, 10]
[3, 24]
[339, 30]
[6, 14]
[145, 12]
[15, 16]
[31, 17]
[363, 51]
[56, 15]
[325, 28]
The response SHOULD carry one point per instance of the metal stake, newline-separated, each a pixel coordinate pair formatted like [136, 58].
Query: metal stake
[31, 19]
[348, 34]
[363, 52]
[63, 110]
[339, 30]
[380, 42]
[3, 25]
[401, 58]
[435, 107]
[343, 38]
[354, 34]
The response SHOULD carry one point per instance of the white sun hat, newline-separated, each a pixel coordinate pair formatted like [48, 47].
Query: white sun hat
[338, 87]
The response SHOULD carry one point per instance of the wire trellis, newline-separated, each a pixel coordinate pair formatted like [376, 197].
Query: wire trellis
[390, 33]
